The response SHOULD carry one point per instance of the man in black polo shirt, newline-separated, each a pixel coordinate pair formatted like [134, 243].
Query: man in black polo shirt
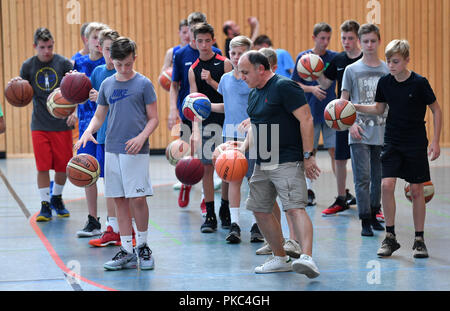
[282, 132]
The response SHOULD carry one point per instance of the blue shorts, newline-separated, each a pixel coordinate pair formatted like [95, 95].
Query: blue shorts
[342, 147]
[100, 155]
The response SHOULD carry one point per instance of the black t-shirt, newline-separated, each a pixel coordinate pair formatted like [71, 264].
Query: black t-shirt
[335, 71]
[45, 78]
[270, 108]
[216, 66]
[407, 100]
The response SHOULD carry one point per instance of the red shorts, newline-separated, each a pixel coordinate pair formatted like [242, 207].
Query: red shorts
[52, 150]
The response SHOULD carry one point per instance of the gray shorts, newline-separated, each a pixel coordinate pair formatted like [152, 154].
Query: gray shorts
[287, 181]
[328, 134]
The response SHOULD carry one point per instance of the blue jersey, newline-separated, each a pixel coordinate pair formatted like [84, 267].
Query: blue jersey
[317, 106]
[182, 61]
[98, 76]
[87, 110]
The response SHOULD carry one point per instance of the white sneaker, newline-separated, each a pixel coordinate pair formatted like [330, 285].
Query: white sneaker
[292, 248]
[264, 250]
[275, 264]
[305, 265]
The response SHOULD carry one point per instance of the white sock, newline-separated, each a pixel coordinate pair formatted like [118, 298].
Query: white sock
[127, 243]
[45, 194]
[112, 221]
[141, 238]
[283, 258]
[234, 214]
[57, 189]
[309, 184]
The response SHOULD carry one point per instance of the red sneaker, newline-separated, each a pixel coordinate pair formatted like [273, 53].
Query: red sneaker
[338, 206]
[183, 198]
[380, 216]
[203, 208]
[109, 237]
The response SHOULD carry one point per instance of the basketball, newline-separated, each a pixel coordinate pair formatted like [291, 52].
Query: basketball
[19, 93]
[58, 106]
[222, 148]
[231, 165]
[83, 170]
[189, 170]
[75, 87]
[165, 79]
[196, 105]
[310, 67]
[428, 191]
[176, 150]
[339, 114]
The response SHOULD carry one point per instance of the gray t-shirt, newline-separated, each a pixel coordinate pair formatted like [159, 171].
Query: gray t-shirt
[127, 117]
[44, 78]
[361, 82]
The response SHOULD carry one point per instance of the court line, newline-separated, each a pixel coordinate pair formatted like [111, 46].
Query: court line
[58, 260]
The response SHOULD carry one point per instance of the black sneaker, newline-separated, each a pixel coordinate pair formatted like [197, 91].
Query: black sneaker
[419, 248]
[366, 227]
[376, 224]
[311, 198]
[57, 204]
[255, 234]
[92, 228]
[225, 218]
[45, 213]
[388, 246]
[349, 198]
[210, 224]
[234, 236]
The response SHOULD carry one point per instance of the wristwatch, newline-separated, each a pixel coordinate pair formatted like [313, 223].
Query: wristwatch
[307, 154]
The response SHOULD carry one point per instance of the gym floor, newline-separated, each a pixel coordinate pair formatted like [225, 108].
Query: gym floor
[49, 257]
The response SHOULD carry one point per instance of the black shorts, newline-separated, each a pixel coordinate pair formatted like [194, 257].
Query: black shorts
[342, 151]
[410, 165]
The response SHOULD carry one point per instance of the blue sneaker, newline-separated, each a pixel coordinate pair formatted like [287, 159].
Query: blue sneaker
[46, 212]
[57, 204]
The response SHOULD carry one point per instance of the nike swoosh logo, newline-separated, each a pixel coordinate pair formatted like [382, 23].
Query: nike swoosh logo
[113, 100]
[340, 69]
[215, 64]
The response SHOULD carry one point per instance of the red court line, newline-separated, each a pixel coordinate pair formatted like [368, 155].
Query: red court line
[58, 260]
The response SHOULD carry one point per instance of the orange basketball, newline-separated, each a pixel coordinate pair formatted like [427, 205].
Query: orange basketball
[310, 67]
[428, 191]
[176, 150]
[19, 93]
[58, 106]
[165, 79]
[222, 148]
[83, 170]
[231, 165]
[339, 114]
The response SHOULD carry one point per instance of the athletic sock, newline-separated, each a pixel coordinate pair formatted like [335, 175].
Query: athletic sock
[141, 237]
[57, 189]
[45, 194]
[210, 208]
[234, 214]
[390, 229]
[112, 221]
[419, 234]
[127, 243]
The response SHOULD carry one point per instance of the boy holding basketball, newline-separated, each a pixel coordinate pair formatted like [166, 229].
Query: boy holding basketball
[52, 138]
[335, 72]
[366, 134]
[405, 141]
[131, 101]
[204, 77]
[86, 64]
[317, 97]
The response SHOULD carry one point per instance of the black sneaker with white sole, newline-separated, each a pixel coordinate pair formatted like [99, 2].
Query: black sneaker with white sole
[210, 224]
[234, 237]
[92, 228]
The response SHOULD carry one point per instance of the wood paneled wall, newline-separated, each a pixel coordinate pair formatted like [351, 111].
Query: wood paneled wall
[153, 24]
